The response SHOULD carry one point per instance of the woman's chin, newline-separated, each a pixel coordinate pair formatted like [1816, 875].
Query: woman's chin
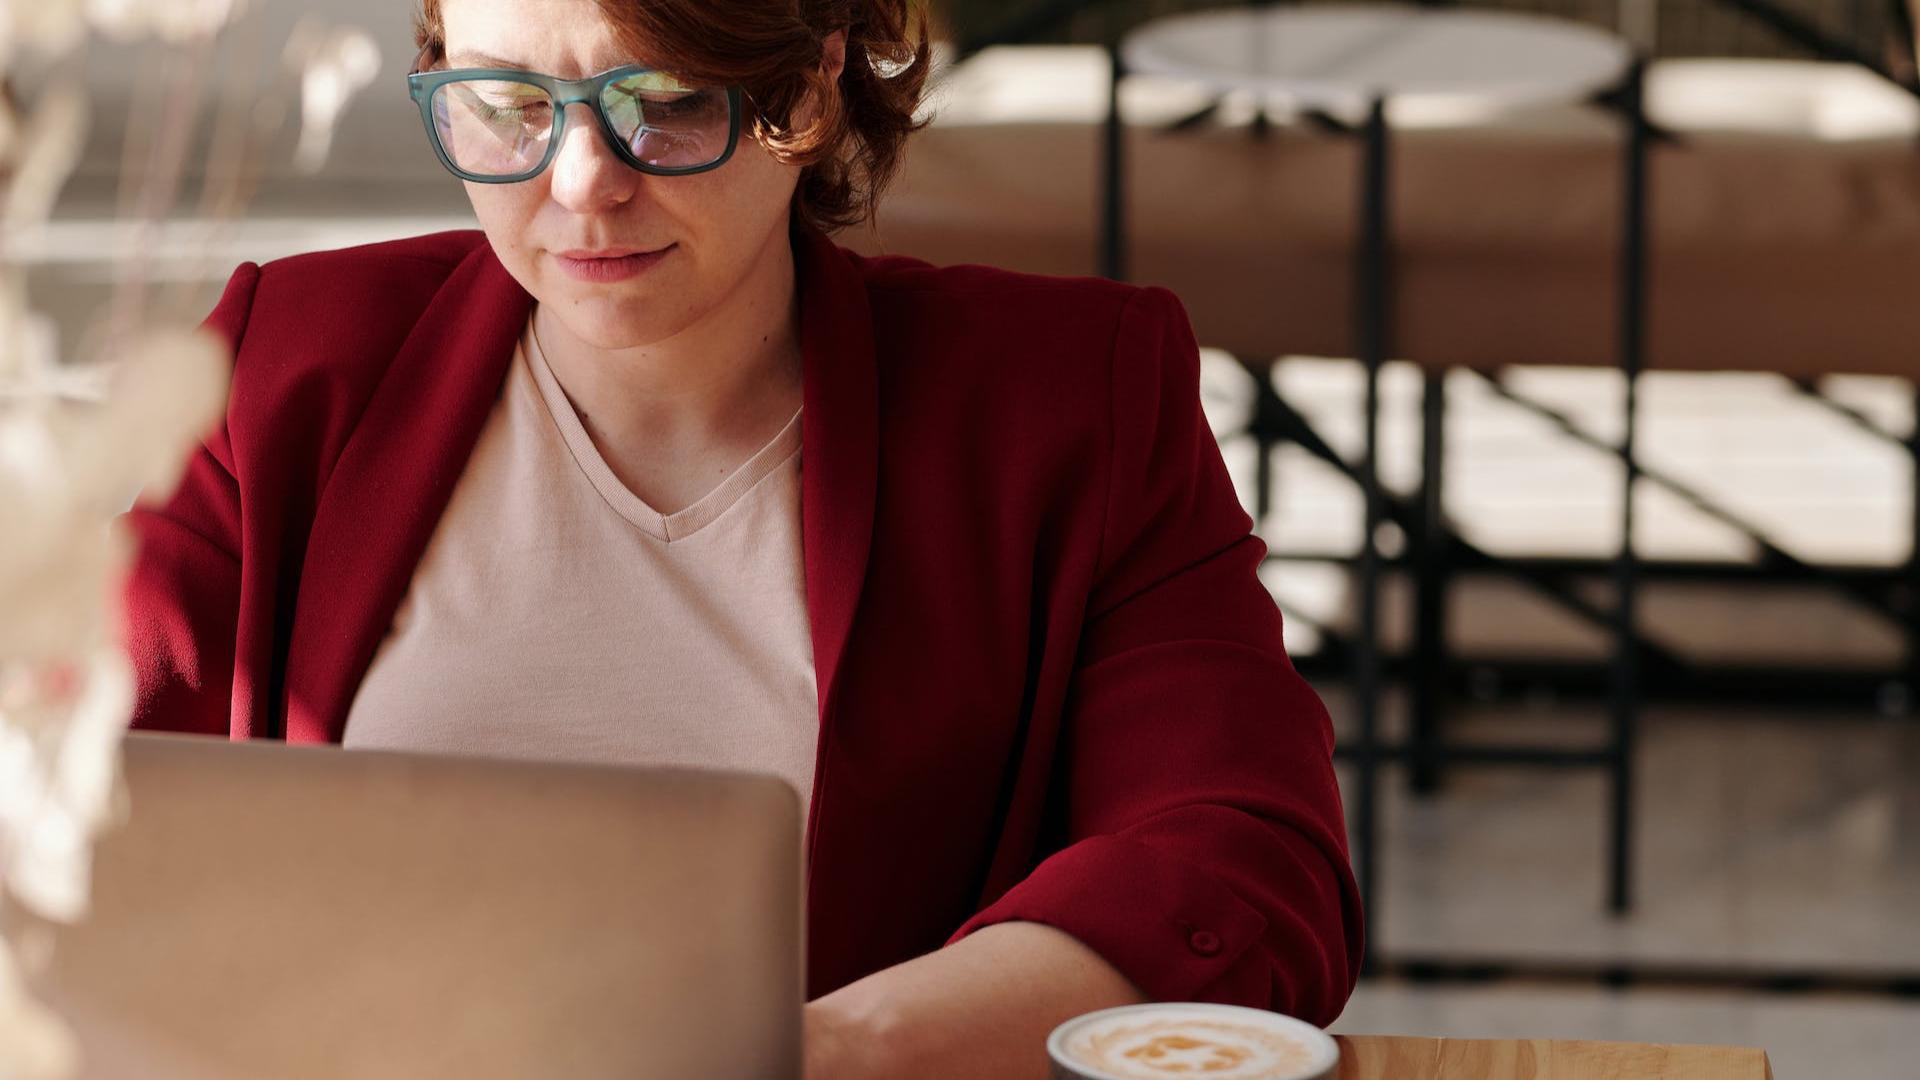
[613, 333]
[613, 318]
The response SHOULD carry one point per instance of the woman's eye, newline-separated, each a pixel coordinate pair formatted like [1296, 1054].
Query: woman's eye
[523, 112]
[678, 105]
[503, 103]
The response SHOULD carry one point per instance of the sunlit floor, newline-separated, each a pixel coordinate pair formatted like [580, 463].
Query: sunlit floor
[1815, 482]
[1768, 841]
[1764, 842]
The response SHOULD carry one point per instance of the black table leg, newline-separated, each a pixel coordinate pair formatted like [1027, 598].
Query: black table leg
[1426, 674]
[1909, 697]
[1266, 436]
[1371, 335]
[1113, 239]
[1632, 345]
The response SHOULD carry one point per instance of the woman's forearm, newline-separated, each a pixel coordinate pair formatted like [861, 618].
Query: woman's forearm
[981, 1007]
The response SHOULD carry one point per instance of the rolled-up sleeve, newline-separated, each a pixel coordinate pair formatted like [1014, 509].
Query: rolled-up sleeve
[1205, 854]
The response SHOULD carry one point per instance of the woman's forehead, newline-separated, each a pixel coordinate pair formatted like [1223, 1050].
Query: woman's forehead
[568, 38]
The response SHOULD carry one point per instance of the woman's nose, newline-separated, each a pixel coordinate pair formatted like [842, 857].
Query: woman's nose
[586, 174]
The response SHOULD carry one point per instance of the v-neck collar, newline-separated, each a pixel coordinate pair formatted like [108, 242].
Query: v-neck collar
[621, 499]
[397, 472]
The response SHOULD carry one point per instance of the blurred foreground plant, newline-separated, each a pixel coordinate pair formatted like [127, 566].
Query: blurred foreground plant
[80, 435]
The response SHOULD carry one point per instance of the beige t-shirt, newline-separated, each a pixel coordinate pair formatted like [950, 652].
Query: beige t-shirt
[556, 616]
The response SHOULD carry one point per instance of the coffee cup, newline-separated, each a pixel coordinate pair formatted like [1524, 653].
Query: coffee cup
[1160, 1041]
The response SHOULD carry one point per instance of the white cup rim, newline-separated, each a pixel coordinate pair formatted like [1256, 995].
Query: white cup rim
[1326, 1052]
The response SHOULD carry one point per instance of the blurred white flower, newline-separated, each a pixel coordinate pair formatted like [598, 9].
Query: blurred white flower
[52, 567]
[334, 65]
[66, 689]
[47, 26]
[25, 344]
[169, 20]
[163, 400]
[45, 154]
[76, 443]
[54, 803]
[66, 469]
[34, 1044]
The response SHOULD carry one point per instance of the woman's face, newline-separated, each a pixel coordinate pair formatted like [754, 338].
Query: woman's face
[721, 234]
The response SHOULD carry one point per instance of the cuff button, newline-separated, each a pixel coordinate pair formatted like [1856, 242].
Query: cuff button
[1204, 942]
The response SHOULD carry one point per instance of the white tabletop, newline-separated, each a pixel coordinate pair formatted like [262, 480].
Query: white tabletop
[1340, 58]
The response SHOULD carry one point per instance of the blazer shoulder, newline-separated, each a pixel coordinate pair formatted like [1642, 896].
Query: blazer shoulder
[329, 308]
[370, 272]
[314, 334]
[1000, 321]
[897, 279]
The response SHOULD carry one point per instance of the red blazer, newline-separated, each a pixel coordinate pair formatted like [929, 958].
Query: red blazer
[1051, 686]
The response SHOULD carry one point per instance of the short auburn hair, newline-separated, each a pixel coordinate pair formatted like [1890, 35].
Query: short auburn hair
[773, 50]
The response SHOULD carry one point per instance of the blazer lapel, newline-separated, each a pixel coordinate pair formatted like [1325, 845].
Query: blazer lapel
[839, 474]
[839, 448]
[391, 485]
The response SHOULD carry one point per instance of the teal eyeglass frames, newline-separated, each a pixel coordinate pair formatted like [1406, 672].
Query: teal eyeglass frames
[501, 126]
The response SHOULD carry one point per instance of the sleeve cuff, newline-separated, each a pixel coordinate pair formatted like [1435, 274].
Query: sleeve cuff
[1174, 931]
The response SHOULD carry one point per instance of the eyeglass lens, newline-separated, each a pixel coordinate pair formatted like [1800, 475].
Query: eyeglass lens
[499, 127]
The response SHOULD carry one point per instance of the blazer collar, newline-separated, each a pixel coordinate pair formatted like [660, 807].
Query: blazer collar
[840, 445]
[402, 461]
[394, 478]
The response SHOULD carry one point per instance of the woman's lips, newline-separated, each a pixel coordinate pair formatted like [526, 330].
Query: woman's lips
[590, 266]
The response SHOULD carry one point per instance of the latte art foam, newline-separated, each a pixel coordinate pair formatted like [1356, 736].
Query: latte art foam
[1214, 1048]
[1179, 1039]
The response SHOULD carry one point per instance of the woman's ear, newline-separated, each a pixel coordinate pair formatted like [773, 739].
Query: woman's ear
[833, 52]
[833, 60]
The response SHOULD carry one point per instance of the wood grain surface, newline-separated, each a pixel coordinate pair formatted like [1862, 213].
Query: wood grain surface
[1387, 1057]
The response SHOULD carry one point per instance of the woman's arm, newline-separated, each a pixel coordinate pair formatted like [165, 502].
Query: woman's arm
[981, 1007]
[1200, 843]
[1200, 851]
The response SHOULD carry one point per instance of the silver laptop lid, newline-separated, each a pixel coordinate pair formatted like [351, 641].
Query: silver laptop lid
[294, 912]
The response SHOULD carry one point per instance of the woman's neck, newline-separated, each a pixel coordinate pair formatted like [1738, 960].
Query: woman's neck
[738, 362]
[671, 415]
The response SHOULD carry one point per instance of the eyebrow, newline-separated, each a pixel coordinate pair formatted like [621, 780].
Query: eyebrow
[467, 58]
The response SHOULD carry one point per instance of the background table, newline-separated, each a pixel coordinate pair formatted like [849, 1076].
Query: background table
[1348, 64]
[1387, 1057]
[1339, 58]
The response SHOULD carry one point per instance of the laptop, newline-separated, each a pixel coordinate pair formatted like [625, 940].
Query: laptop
[273, 912]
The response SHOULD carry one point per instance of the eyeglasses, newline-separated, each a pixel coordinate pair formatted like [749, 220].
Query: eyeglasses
[500, 126]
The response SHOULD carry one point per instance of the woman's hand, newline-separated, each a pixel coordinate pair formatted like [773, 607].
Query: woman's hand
[981, 1007]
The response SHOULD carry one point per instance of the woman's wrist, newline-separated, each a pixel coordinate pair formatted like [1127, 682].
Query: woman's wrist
[979, 1008]
[844, 1037]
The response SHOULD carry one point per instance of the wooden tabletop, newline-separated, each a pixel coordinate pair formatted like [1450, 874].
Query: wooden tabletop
[1390, 1057]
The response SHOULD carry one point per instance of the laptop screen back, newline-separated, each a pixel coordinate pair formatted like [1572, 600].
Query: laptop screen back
[292, 912]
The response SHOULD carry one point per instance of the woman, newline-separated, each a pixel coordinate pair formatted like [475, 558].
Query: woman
[539, 490]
